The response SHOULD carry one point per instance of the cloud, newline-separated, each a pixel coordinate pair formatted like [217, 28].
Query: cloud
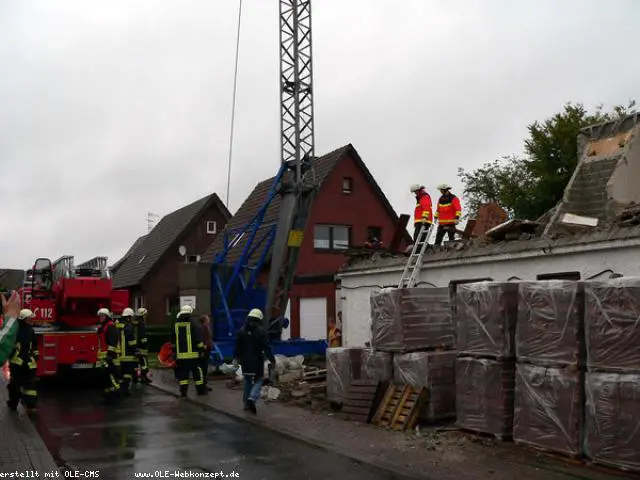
[114, 110]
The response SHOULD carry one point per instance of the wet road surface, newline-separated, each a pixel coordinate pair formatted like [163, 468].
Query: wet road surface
[155, 432]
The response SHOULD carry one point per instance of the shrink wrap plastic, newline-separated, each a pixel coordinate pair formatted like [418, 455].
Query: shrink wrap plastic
[411, 319]
[613, 419]
[486, 314]
[548, 408]
[347, 364]
[612, 324]
[550, 323]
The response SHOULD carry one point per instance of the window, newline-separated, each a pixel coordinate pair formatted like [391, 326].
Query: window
[138, 302]
[172, 303]
[374, 232]
[193, 258]
[331, 237]
[212, 228]
[347, 185]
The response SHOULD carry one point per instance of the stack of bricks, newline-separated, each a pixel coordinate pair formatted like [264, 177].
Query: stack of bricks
[550, 366]
[612, 411]
[415, 325]
[486, 314]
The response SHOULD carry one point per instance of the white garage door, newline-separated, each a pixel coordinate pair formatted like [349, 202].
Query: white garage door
[313, 318]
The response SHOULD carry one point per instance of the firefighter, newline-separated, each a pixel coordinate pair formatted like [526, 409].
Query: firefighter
[23, 364]
[187, 343]
[127, 349]
[252, 346]
[448, 213]
[140, 334]
[423, 215]
[107, 355]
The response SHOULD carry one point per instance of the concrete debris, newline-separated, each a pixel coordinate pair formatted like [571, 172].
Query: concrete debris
[572, 220]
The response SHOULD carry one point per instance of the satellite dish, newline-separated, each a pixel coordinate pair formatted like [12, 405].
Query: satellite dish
[182, 250]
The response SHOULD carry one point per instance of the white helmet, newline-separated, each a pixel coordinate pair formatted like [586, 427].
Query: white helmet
[185, 310]
[415, 187]
[25, 314]
[105, 312]
[444, 186]
[256, 313]
[127, 312]
[142, 312]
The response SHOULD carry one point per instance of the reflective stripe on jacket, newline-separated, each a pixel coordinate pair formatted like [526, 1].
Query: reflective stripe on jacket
[423, 213]
[186, 338]
[449, 209]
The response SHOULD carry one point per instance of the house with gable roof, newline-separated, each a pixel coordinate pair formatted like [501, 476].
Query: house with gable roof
[149, 269]
[348, 208]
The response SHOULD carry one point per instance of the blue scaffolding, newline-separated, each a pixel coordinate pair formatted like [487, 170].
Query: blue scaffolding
[234, 289]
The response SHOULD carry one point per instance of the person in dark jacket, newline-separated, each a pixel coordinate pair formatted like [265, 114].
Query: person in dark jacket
[23, 364]
[128, 360]
[252, 345]
[140, 334]
[205, 323]
[188, 348]
[107, 355]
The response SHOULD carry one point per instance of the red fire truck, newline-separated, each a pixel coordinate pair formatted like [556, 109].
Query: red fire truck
[65, 299]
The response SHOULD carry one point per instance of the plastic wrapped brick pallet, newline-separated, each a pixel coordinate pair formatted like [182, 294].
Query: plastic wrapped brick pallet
[484, 395]
[411, 319]
[436, 372]
[548, 408]
[613, 419]
[550, 323]
[347, 364]
[612, 328]
[338, 373]
[486, 318]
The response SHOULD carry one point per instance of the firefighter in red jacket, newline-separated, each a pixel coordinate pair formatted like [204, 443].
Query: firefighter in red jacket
[423, 214]
[448, 213]
[107, 355]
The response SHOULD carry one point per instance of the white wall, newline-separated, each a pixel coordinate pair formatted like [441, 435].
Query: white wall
[357, 287]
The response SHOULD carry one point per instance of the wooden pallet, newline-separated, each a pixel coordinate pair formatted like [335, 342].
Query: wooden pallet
[360, 400]
[400, 407]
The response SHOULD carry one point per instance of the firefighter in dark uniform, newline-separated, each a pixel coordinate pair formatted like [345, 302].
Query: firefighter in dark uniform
[140, 334]
[108, 354]
[187, 342]
[127, 350]
[23, 364]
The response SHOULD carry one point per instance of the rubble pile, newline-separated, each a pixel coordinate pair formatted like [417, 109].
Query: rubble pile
[486, 314]
[612, 331]
[550, 363]
[417, 326]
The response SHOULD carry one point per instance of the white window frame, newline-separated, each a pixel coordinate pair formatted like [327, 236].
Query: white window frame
[332, 241]
[214, 230]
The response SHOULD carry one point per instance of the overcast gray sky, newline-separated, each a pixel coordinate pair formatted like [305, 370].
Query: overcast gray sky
[110, 110]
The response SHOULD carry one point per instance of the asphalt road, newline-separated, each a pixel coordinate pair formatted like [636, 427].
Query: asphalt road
[152, 432]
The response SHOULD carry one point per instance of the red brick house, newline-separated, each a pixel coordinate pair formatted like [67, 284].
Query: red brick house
[149, 270]
[348, 207]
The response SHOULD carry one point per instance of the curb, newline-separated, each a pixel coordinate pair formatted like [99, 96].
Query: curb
[358, 458]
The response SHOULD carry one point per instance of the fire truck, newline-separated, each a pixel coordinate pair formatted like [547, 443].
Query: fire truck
[65, 299]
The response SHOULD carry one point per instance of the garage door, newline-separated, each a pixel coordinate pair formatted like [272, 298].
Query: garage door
[313, 318]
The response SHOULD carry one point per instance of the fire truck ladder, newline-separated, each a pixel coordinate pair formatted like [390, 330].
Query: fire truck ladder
[412, 268]
[96, 263]
[63, 267]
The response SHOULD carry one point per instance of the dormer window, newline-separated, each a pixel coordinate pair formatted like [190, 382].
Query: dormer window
[212, 228]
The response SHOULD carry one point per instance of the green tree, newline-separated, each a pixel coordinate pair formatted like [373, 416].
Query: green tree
[530, 185]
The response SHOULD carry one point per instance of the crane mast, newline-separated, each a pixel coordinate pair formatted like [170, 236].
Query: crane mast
[297, 150]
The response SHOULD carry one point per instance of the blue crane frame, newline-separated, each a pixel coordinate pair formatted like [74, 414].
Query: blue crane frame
[234, 291]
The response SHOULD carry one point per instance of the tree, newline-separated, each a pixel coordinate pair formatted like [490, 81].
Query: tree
[528, 186]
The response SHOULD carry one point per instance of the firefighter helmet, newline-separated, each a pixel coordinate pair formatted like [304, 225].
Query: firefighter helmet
[444, 186]
[185, 310]
[127, 312]
[142, 312]
[25, 314]
[415, 187]
[104, 311]
[256, 313]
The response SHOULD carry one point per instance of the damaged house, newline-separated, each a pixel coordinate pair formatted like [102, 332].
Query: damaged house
[592, 233]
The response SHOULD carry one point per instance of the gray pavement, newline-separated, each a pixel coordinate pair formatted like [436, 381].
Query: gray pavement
[154, 432]
[21, 448]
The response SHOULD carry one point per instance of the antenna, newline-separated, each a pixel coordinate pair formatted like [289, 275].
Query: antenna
[151, 218]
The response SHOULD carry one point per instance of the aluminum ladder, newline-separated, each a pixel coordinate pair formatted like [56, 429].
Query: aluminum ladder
[412, 268]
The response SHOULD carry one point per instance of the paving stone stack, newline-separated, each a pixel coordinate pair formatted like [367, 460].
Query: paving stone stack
[486, 314]
[345, 365]
[550, 364]
[415, 324]
[612, 331]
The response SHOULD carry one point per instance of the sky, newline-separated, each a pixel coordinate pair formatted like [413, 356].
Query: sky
[111, 110]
